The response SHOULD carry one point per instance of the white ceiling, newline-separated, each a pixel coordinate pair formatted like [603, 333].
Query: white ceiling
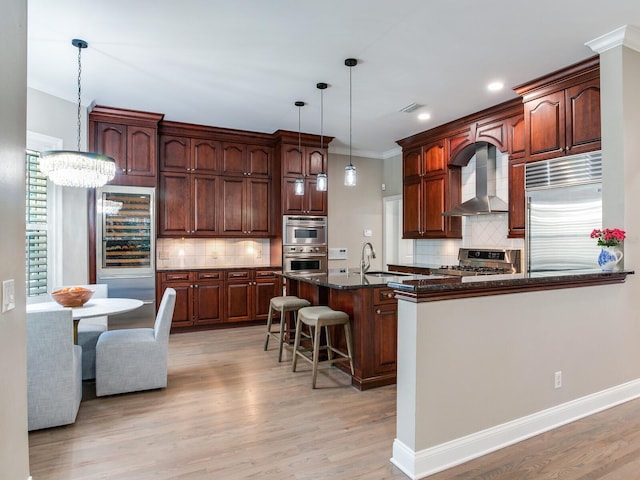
[243, 63]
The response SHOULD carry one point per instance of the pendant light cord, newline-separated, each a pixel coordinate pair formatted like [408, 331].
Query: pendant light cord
[79, 92]
[350, 113]
[321, 117]
[299, 144]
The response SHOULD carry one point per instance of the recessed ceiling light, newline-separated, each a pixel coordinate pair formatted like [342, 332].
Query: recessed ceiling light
[424, 116]
[495, 86]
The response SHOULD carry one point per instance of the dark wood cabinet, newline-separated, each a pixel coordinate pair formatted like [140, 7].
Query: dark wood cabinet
[193, 155]
[517, 206]
[562, 112]
[384, 331]
[245, 207]
[213, 298]
[187, 204]
[312, 202]
[130, 138]
[246, 160]
[303, 162]
[430, 187]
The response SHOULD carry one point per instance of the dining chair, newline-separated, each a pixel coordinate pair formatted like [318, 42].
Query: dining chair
[135, 359]
[54, 370]
[89, 329]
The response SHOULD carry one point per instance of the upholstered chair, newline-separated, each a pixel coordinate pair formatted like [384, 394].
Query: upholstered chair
[54, 370]
[135, 359]
[89, 329]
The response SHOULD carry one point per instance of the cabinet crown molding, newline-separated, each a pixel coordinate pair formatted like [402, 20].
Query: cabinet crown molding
[627, 35]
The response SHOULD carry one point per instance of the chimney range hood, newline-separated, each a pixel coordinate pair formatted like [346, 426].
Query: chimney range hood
[485, 201]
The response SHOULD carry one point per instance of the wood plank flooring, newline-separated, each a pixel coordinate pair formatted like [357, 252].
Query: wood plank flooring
[231, 411]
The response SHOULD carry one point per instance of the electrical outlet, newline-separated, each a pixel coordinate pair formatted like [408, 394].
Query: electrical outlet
[557, 380]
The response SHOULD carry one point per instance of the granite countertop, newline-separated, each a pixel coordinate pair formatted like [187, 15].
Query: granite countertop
[219, 267]
[352, 279]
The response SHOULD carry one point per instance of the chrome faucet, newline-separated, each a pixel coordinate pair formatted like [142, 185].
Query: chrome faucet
[365, 265]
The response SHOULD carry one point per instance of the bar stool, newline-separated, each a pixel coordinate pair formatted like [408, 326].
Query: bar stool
[318, 317]
[288, 303]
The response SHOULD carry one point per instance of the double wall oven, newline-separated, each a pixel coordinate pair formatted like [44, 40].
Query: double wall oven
[304, 248]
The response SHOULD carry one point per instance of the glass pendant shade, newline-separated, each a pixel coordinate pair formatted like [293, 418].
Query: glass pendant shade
[77, 169]
[298, 186]
[321, 182]
[350, 175]
[69, 168]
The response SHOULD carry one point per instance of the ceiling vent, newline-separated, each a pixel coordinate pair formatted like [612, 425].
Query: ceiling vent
[410, 108]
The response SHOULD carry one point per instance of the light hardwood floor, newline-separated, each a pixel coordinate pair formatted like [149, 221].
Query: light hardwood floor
[231, 411]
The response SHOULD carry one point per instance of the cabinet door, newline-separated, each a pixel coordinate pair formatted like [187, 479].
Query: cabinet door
[385, 334]
[111, 140]
[232, 205]
[433, 194]
[205, 155]
[515, 134]
[316, 202]
[175, 153]
[266, 287]
[183, 311]
[411, 208]
[292, 161]
[233, 159]
[544, 122]
[583, 117]
[141, 151]
[434, 157]
[412, 163]
[292, 204]
[238, 301]
[204, 204]
[456, 143]
[258, 207]
[259, 160]
[174, 206]
[517, 207]
[208, 302]
[316, 161]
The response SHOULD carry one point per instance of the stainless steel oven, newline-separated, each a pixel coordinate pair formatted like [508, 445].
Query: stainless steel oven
[304, 259]
[304, 230]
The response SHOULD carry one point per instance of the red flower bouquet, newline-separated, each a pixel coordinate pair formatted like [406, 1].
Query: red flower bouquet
[608, 237]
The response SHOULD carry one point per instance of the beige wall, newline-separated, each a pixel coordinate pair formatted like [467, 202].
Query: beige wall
[55, 117]
[14, 447]
[392, 175]
[353, 209]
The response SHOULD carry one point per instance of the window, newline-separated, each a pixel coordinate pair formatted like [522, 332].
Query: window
[36, 227]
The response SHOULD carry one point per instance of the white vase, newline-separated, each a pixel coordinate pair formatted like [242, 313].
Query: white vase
[609, 258]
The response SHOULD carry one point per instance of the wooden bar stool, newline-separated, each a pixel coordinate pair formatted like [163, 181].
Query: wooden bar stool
[283, 305]
[318, 317]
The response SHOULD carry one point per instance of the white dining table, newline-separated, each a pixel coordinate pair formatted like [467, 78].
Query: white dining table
[95, 307]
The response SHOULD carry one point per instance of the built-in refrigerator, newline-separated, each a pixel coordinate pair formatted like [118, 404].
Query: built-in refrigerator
[125, 249]
[564, 205]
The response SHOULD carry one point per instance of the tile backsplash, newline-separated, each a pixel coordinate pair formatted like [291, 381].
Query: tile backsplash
[211, 252]
[480, 231]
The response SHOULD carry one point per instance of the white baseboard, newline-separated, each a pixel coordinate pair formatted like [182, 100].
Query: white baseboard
[426, 462]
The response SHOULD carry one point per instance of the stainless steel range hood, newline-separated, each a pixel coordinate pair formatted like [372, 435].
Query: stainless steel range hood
[485, 201]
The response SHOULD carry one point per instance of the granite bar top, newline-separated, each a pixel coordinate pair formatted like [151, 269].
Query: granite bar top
[352, 279]
[414, 289]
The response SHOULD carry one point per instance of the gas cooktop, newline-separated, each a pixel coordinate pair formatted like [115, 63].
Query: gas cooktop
[482, 262]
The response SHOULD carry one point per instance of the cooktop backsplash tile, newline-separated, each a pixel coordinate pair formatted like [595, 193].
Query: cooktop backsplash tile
[479, 231]
[211, 252]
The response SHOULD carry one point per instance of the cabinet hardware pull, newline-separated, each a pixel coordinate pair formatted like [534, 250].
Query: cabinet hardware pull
[378, 311]
[197, 286]
[390, 295]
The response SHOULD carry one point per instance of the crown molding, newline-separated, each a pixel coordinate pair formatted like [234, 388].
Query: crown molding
[627, 35]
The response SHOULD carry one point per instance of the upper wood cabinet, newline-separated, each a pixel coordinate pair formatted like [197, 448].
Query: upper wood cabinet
[130, 138]
[184, 154]
[562, 112]
[303, 161]
[240, 159]
[245, 207]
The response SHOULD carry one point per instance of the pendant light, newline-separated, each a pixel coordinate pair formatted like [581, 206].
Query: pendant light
[350, 170]
[321, 178]
[298, 186]
[77, 169]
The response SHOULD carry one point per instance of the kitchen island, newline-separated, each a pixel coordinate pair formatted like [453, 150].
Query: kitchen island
[488, 361]
[372, 307]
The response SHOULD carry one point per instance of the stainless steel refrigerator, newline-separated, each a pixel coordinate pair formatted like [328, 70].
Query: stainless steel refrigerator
[125, 249]
[564, 204]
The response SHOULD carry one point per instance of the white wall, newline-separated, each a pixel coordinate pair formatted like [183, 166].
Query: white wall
[14, 447]
[353, 209]
[55, 117]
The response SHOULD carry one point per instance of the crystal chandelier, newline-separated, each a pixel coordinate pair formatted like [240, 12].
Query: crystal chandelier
[69, 168]
[350, 170]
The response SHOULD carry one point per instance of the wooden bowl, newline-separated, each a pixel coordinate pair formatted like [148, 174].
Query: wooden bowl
[72, 296]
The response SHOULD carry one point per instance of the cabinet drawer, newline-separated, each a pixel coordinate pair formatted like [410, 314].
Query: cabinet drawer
[176, 276]
[265, 274]
[383, 295]
[238, 275]
[209, 275]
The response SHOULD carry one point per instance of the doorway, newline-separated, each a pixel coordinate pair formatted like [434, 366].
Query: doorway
[396, 249]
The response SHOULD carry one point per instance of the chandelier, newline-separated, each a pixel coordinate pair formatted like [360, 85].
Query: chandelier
[75, 168]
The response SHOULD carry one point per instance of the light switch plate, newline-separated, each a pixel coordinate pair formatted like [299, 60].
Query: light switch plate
[367, 232]
[8, 295]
